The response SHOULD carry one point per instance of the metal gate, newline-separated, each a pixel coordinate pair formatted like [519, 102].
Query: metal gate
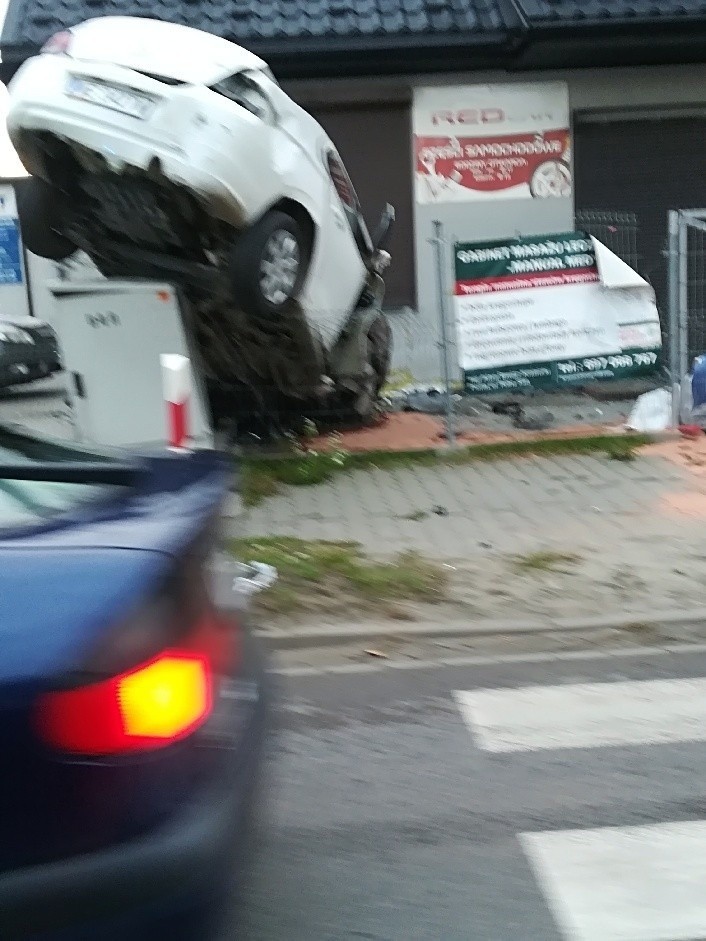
[687, 289]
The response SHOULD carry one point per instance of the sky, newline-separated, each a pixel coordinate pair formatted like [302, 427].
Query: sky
[10, 165]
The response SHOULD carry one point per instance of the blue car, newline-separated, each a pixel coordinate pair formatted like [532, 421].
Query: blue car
[132, 703]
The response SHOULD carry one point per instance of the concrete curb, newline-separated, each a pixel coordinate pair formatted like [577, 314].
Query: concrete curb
[341, 636]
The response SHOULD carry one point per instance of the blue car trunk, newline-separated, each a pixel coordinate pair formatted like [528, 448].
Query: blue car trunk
[69, 582]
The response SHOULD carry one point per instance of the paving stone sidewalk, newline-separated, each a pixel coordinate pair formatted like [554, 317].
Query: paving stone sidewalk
[637, 528]
[455, 511]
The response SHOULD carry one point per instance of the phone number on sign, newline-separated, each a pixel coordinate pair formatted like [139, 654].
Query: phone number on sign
[599, 363]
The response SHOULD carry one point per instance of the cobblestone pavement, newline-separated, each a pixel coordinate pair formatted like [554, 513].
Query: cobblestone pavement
[457, 511]
[634, 530]
[626, 535]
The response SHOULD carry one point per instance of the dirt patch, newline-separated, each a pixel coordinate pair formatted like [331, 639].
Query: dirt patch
[687, 453]
[545, 560]
[691, 504]
[329, 583]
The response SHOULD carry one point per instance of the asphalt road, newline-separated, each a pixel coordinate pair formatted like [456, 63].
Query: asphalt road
[452, 803]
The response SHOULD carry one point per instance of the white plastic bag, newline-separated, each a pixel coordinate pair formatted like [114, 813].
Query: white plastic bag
[254, 578]
[652, 412]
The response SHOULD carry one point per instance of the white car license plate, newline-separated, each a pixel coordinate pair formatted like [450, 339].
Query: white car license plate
[110, 96]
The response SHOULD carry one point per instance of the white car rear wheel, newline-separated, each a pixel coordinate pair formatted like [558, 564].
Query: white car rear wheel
[279, 267]
[268, 264]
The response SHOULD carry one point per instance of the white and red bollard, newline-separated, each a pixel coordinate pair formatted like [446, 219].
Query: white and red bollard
[176, 385]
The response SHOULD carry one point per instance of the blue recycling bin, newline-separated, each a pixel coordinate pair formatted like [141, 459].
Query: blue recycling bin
[698, 381]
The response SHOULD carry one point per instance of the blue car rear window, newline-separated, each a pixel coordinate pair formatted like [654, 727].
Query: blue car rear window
[24, 502]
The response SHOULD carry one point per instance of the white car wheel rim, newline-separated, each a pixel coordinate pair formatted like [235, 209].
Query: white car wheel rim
[279, 267]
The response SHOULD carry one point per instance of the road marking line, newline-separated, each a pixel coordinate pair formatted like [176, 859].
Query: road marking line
[624, 883]
[586, 715]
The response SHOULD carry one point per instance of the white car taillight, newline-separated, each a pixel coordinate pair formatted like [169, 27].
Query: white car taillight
[341, 181]
[59, 44]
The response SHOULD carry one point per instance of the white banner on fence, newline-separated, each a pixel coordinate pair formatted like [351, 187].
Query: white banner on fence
[551, 310]
[527, 326]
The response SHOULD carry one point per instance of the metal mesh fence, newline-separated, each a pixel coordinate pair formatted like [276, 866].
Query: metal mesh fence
[618, 231]
[696, 291]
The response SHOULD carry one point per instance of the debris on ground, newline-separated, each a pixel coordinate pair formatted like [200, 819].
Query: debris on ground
[690, 431]
[478, 417]
[513, 409]
[652, 412]
[431, 401]
[254, 577]
[533, 422]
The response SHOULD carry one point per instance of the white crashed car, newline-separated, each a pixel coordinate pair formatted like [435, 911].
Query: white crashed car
[160, 150]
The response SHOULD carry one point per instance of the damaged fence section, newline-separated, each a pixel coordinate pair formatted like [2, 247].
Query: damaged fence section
[554, 334]
[559, 334]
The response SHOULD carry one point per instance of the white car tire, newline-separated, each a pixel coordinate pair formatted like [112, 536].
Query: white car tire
[40, 213]
[268, 264]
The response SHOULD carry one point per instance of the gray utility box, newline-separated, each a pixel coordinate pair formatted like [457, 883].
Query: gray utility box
[111, 336]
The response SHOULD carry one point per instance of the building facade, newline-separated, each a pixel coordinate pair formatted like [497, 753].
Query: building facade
[634, 72]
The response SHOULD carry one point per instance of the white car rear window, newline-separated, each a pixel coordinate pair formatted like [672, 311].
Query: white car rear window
[161, 49]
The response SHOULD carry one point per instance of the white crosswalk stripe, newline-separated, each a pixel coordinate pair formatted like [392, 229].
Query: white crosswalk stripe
[624, 883]
[586, 715]
[633, 883]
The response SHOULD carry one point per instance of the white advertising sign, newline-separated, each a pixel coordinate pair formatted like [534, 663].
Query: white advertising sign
[490, 142]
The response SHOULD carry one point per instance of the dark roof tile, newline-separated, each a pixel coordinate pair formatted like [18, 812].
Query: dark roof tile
[371, 24]
[279, 29]
[418, 22]
[30, 22]
[599, 11]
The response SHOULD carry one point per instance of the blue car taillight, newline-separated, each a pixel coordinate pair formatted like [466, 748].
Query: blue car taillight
[167, 664]
[153, 705]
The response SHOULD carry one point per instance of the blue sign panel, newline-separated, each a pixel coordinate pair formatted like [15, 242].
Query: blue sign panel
[10, 252]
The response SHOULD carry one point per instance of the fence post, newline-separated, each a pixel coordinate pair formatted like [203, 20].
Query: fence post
[683, 305]
[438, 241]
[673, 323]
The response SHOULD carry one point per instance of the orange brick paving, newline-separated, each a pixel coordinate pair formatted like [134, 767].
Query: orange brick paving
[408, 431]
